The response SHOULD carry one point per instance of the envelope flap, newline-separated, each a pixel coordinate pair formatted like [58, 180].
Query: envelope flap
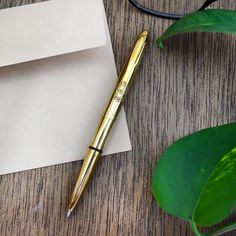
[50, 28]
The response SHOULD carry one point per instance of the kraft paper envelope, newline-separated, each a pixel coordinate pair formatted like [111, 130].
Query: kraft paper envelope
[50, 108]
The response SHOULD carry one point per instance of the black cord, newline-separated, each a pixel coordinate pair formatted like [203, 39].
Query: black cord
[170, 16]
[206, 4]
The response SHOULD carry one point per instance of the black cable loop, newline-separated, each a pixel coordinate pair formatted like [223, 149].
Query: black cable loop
[170, 16]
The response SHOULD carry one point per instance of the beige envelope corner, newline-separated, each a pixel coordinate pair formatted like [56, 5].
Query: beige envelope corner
[49, 108]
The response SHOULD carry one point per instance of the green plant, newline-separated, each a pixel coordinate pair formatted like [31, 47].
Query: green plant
[202, 21]
[195, 178]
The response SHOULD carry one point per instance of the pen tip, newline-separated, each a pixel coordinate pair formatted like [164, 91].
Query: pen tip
[68, 213]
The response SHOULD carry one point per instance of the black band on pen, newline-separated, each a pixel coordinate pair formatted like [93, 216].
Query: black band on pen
[95, 149]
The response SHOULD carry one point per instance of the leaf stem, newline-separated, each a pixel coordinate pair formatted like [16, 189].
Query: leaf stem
[223, 230]
[215, 233]
[195, 229]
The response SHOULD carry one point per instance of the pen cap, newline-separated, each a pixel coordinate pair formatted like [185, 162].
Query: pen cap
[127, 75]
[133, 61]
[124, 81]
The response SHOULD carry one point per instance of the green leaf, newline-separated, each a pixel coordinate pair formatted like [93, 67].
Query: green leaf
[223, 21]
[218, 197]
[195, 178]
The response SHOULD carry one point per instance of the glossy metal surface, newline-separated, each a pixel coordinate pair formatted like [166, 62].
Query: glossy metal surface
[125, 79]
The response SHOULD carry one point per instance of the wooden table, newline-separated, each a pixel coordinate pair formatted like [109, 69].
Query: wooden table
[188, 86]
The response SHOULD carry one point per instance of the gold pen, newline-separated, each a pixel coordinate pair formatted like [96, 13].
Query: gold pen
[95, 150]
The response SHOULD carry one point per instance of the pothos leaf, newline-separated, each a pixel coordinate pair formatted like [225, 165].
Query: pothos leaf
[195, 177]
[218, 196]
[223, 21]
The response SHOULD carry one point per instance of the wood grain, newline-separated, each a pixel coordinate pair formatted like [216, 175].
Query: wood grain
[186, 87]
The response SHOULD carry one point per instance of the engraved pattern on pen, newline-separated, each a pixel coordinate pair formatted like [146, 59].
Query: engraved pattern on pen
[120, 92]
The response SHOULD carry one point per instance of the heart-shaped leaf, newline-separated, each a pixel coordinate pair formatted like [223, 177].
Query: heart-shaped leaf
[202, 21]
[219, 194]
[195, 178]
